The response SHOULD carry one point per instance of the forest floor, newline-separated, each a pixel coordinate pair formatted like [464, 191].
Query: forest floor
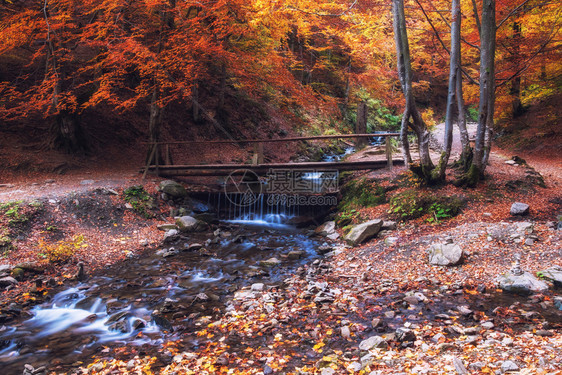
[373, 290]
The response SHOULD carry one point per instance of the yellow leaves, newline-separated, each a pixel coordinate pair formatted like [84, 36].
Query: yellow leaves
[318, 347]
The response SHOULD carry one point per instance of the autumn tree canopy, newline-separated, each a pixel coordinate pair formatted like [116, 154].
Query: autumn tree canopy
[63, 61]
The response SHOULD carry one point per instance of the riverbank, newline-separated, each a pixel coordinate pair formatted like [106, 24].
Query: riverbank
[379, 306]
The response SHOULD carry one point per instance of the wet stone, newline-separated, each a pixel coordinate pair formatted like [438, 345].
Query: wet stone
[271, 262]
[295, 254]
[405, 335]
[116, 317]
[120, 326]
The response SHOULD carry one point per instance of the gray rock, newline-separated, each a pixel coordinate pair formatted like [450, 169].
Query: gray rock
[257, 287]
[519, 209]
[345, 332]
[459, 366]
[403, 334]
[170, 235]
[190, 224]
[166, 253]
[326, 229]
[173, 189]
[271, 262]
[487, 325]
[324, 249]
[86, 182]
[295, 254]
[372, 342]
[166, 227]
[477, 366]
[362, 232]
[509, 366]
[5, 269]
[388, 225]
[553, 274]
[558, 303]
[389, 241]
[448, 254]
[194, 247]
[464, 310]
[7, 281]
[524, 283]
[525, 227]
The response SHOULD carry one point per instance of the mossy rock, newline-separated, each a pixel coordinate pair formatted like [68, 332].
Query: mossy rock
[18, 273]
[361, 193]
[412, 204]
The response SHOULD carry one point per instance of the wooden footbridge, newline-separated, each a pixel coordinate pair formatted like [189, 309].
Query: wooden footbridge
[257, 165]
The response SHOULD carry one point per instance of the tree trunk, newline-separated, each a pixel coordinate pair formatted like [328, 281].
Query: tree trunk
[154, 126]
[466, 154]
[487, 94]
[411, 111]
[222, 89]
[65, 133]
[361, 124]
[195, 102]
[515, 91]
[454, 70]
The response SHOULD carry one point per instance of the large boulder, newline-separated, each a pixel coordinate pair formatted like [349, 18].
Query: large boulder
[173, 189]
[523, 283]
[190, 224]
[519, 209]
[362, 232]
[553, 274]
[445, 254]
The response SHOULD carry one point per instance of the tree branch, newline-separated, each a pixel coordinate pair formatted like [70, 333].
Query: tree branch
[464, 72]
[476, 17]
[527, 63]
[324, 14]
[513, 11]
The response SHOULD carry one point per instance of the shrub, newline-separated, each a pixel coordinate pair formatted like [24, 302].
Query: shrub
[61, 251]
[139, 198]
[412, 204]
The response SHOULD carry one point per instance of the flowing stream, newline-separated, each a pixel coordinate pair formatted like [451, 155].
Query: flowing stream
[140, 303]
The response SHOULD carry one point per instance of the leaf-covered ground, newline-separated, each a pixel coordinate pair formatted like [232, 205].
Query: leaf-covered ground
[428, 320]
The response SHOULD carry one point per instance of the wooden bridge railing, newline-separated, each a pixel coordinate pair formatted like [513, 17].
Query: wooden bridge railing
[258, 157]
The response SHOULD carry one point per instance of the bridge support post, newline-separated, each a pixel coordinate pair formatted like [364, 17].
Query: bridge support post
[388, 148]
[258, 154]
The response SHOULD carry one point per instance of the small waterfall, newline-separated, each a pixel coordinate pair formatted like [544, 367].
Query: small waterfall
[260, 211]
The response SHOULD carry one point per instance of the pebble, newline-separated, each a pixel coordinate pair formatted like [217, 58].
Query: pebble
[459, 366]
[487, 325]
[345, 332]
[257, 287]
[507, 341]
[472, 340]
[476, 366]
[371, 342]
[509, 366]
[355, 366]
